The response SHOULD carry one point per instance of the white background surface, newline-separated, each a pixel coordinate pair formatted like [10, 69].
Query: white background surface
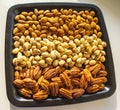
[111, 12]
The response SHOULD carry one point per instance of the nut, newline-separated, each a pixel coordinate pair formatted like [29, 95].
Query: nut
[65, 93]
[40, 95]
[37, 73]
[18, 83]
[46, 69]
[83, 82]
[57, 80]
[88, 75]
[16, 75]
[15, 31]
[26, 92]
[77, 92]
[54, 89]
[35, 88]
[75, 72]
[29, 83]
[101, 86]
[93, 88]
[75, 82]
[50, 74]
[102, 73]
[99, 80]
[44, 84]
[96, 69]
[15, 51]
[66, 80]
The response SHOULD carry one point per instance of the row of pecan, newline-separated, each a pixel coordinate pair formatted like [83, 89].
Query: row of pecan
[38, 83]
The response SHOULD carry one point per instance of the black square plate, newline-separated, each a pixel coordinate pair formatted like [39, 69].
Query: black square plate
[9, 69]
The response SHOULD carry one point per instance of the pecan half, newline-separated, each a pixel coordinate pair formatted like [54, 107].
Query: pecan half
[99, 80]
[75, 82]
[31, 72]
[65, 93]
[75, 72]
[83, 82]
[40, 95]
[44, 84]
[18, 83]
[37, 73]
[26, 92]
[22, 74]
[29, 83]
[35, 88]
[67, 72]
[17, 75]
[96, 70]
[54, 89]
[101, 86]
[46, 69]
[40, 80]
[102, 66]
[66, 80]
[102, 73]
[77, 92]
[27, 73]
[60, 69]
[94, 67]
[87, 74]
[50, 73]
[92, 88]
[57, 80]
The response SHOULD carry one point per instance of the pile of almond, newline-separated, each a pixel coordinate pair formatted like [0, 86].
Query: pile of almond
[58, 53]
